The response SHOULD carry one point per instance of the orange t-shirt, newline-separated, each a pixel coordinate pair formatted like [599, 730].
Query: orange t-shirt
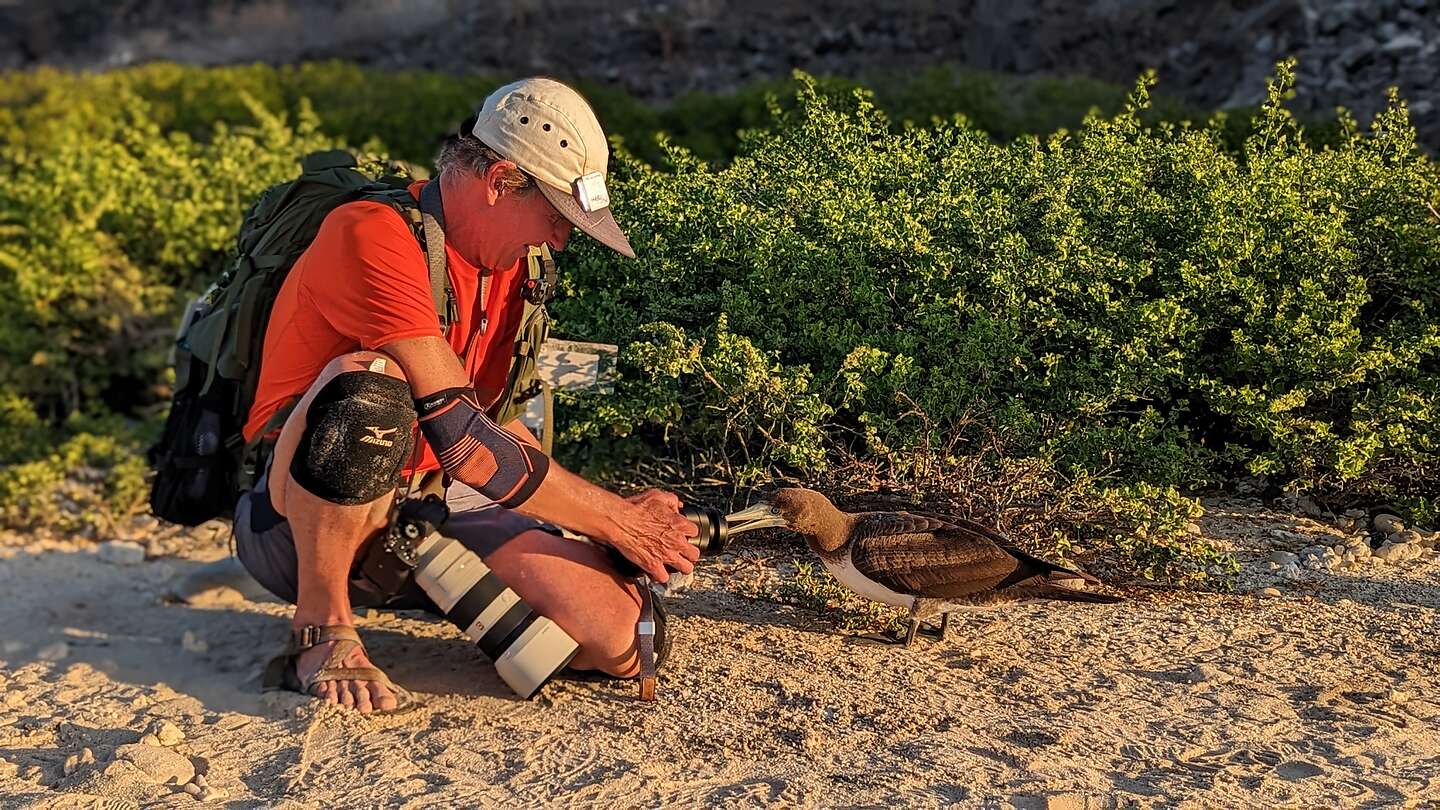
[364, 283]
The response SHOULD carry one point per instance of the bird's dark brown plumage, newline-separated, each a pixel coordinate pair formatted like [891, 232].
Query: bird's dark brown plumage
[947, 558]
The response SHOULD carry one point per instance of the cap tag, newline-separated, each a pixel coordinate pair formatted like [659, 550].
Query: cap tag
[590, 192]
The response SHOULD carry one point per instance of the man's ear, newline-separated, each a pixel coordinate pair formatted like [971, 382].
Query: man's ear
[494, 178]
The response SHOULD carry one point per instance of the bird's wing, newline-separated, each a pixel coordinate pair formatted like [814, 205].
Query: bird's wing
[881, 524]
[947, 562]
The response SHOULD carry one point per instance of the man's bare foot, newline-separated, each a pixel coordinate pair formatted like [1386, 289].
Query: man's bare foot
[361, 695]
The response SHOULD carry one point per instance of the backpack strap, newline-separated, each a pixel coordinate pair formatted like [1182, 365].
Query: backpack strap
[432, 229]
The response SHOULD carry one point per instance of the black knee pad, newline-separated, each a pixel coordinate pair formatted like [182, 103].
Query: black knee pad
[357, 438]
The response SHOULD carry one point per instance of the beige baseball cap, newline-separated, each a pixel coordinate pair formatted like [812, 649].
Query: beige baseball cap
[551, 133]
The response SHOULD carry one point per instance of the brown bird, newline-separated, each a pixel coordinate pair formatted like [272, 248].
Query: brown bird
[929, 564]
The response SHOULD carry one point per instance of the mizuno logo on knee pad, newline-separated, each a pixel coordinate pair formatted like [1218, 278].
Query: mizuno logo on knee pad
[377, 436]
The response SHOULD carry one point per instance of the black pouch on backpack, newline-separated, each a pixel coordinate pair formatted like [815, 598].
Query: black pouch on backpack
[195, 467]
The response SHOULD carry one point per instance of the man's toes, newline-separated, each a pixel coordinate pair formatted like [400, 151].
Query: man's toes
[381, 698]
[362, 698]
[325, 690]
[347, 693]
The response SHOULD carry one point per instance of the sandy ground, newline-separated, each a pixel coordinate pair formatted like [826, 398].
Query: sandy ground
[1323, 696]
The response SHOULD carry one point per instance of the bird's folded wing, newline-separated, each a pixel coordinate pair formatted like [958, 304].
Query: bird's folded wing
[880, 524]
[947, 563]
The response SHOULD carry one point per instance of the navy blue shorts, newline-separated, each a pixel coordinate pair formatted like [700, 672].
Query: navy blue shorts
[265, 543]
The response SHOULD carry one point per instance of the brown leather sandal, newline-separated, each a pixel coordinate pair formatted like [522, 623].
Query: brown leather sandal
[282, 671]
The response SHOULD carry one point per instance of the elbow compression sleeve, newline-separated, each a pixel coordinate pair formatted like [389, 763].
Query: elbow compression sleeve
[478, 452]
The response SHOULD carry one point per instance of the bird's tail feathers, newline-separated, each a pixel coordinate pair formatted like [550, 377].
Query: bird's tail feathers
[1064, 594]
[1051, 570]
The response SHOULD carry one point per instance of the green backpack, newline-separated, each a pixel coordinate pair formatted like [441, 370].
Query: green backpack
[202, 462]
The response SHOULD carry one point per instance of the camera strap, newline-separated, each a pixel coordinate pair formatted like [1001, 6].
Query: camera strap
[645, 636]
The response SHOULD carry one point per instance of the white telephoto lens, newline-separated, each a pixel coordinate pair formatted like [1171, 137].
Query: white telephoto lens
[527, 648]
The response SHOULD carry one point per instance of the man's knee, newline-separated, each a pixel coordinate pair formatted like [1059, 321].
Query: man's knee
[574, 585]
[357, 434]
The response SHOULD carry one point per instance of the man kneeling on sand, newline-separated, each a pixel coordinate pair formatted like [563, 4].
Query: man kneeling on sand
[354, 336]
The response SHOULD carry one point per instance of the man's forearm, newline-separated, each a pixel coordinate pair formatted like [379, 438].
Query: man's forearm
[566, 499]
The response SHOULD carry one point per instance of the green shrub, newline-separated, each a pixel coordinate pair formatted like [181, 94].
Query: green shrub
[120, 218]
[1140, 304]
[89, 483]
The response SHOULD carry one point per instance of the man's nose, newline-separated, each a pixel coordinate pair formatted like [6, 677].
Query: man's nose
[561, 237]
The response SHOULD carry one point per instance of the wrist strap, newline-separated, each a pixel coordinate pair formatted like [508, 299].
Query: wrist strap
[645, 635]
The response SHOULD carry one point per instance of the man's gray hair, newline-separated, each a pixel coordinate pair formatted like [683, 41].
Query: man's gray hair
[466, 153]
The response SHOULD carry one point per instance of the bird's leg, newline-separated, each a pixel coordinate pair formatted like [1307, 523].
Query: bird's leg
[924, 609]
[944, 624]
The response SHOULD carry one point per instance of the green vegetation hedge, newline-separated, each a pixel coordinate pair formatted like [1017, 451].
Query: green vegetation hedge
[1102, 317]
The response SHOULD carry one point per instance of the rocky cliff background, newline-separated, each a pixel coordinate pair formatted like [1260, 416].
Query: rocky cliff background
[1214, 53]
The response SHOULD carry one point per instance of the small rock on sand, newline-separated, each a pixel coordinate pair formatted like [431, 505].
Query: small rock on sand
[121, 552]
[193, 789]
[166, 732]
[1388, 524]
[161, 765]
[1206, 673]
[1393, 552]
[1273, 593]
[1282, 558]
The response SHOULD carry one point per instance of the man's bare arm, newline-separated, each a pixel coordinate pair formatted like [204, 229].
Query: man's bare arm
[649, 532]
[521, 432]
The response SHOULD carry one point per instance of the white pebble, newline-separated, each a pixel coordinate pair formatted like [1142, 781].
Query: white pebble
[1271, 592]
[121, 552]
[150, 739]
[192, 788]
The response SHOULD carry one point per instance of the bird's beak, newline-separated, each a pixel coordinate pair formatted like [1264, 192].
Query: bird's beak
[759, 515]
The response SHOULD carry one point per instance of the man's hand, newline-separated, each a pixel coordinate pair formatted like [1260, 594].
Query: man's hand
[653, 535]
